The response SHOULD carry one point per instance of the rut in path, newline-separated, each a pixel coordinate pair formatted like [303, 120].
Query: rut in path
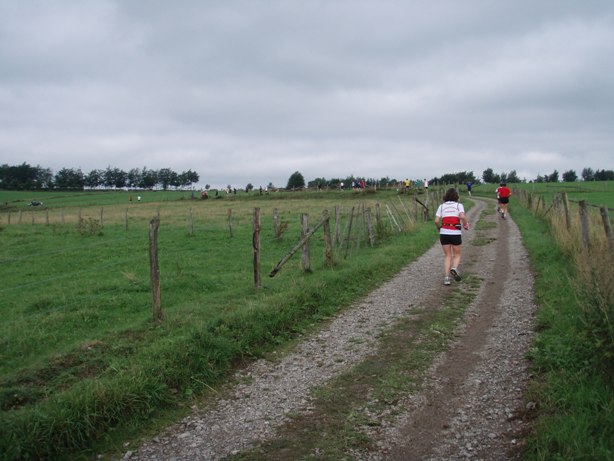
[468, 403]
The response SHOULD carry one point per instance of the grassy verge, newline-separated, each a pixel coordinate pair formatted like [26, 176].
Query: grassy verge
[82, 361]
[573, 385]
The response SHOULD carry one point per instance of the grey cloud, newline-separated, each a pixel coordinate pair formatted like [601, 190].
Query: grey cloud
[370, 88]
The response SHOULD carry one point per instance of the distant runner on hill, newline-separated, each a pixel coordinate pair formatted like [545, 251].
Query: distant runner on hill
[503, 196]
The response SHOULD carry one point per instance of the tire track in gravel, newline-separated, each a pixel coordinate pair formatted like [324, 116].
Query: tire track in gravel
[472, 406]
[268, 392]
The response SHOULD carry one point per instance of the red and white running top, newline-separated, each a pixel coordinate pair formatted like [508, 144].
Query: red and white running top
[449, 212]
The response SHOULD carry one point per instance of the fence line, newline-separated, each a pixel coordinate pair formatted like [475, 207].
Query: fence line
[360, 229]
[560, 203]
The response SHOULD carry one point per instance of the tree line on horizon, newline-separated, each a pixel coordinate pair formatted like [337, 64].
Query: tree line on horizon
[463, 177]
[27, 177]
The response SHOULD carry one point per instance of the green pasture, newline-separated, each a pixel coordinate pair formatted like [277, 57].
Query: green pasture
[79, 352]
[598, 193]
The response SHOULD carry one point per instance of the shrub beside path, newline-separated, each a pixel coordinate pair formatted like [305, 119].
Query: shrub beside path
[469, 402]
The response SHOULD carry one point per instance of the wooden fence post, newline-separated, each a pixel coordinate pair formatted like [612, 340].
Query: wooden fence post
[337, 224]
[256, 247]
[567, 213]
[378, 220]
[154, 270]
[230, 221]
[328, 250]
[126, 219]
[190, 223]
[539, 201]
[349, 234]
[530, 202]
[294, 249]
[370, 227]
[276, 227]
[607, 227]
[584, 223]
[47, 217]
[360, 227]
[305, 261]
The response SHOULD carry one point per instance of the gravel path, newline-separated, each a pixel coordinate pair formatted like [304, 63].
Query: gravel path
[471, 403]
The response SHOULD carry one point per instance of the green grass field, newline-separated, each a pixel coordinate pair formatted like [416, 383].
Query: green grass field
[83, 367]
[80, 353]
[598, 193]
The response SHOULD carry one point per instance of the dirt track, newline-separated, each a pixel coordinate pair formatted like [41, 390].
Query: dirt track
[470, 405]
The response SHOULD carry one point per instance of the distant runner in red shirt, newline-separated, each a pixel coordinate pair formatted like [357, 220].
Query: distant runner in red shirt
[503, 196]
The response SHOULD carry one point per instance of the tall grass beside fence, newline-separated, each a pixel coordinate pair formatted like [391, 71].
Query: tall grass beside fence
[571, 353]
[581, 234]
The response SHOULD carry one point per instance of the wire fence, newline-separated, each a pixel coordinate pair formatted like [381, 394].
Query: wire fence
[68, 253]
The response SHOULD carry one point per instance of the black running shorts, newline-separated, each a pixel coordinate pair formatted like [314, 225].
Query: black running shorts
[504, 200]
[446, 239]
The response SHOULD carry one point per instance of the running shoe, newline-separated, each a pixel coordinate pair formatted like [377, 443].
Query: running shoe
[447, 280]
[455, 274]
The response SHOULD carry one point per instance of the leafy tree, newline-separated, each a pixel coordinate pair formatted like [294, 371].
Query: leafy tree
[149, 179]
[296, 181]
[512, 177]
[553, 177]
[588, 174]
[456, 178]
[25, 177]
[115, 178]
[94, 179]
[489, 177]
[322, 181]
[134, 178]
[166, 178]
[570, 176]
[69, 179]
[604, 175]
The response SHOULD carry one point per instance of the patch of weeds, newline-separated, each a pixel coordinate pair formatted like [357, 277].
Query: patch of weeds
[482, 241]
[481, 227]
[485, 225]
[29, 386]
[89, 227]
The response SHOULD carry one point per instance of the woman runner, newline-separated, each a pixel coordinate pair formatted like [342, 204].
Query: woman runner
[449, 219]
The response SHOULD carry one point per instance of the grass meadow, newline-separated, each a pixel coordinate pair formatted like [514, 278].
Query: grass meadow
[84, 368]
[598, 193]
[82, 360]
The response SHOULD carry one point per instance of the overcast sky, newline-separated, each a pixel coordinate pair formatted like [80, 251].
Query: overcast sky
[253, 90]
